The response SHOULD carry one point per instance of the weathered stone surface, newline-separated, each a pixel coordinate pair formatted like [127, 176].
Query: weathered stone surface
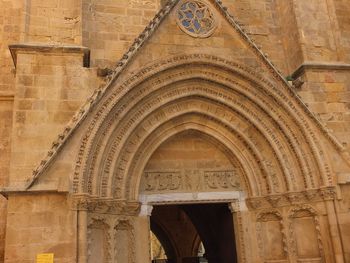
[179, 114]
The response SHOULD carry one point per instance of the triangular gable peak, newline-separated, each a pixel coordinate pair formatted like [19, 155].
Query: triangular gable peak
[130, 56]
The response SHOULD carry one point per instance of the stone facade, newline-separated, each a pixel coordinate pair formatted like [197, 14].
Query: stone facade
[95, 117]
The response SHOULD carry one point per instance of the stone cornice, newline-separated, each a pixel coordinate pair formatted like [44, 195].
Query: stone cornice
[308, 65]
[47, 48]
[7, 191]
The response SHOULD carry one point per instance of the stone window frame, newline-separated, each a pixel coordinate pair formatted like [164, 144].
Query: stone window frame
[193, 34]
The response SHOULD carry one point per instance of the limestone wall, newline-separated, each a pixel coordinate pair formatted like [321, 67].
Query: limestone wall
[47, 88]
[10, 27]
[110, 27]
[342, 9]
[316, 25]
[289, 35]
[50, 88]
[54, 21]
[40, 224]
[344, 220]
[262, 21]
[5, 142]
[10, 17]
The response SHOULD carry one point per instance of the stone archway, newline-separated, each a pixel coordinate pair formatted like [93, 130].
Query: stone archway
[211, 91]
[188, 180]
[256, 122]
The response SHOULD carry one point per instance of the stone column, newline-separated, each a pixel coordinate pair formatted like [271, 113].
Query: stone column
[142, 239]
[238, 231]
[334, 231]
[82, 236]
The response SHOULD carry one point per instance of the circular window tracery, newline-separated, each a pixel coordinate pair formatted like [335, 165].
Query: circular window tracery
[196, 19]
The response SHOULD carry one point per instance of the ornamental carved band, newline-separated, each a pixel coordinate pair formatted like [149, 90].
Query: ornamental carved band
[190, 180]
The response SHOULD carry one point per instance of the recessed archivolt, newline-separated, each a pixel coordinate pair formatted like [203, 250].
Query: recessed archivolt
[178, 107]
[251, 173]
[173, 106]
[212, 119]
[182, 91]
[269, 109]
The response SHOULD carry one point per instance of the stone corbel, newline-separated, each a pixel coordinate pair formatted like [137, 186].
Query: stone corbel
[298, 83]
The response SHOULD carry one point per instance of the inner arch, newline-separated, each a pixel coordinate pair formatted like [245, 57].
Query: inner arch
[189, 161]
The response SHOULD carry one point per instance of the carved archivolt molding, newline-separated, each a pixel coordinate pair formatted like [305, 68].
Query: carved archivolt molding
[284, 92]
[294, 128]
[214, 129]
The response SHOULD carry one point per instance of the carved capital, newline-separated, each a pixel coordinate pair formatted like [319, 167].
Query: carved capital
[328, 193]
[234, 207]
[105, 206]
[146, 210]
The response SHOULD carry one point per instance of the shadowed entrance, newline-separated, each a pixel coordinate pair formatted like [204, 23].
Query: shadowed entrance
[181, 229]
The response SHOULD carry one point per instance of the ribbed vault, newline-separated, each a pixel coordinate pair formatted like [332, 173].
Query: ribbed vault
[261, 126]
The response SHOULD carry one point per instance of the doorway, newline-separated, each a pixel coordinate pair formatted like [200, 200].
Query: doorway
[193, 233]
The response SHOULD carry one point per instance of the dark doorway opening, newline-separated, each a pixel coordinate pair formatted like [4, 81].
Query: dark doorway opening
[194, 233]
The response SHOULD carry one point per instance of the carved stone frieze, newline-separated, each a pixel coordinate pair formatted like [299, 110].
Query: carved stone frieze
[292, 198]
[105, 206]
[190, 180]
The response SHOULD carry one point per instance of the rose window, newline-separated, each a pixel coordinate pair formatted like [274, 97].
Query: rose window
[196, 19]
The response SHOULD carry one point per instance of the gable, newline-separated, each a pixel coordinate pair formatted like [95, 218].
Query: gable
[228, 48]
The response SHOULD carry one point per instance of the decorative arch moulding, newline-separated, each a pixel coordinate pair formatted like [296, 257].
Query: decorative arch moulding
[142, 74]
[121, 65]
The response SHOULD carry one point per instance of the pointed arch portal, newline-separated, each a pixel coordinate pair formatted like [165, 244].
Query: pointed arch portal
[196, 121]
[261, 150]
[265, 127]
